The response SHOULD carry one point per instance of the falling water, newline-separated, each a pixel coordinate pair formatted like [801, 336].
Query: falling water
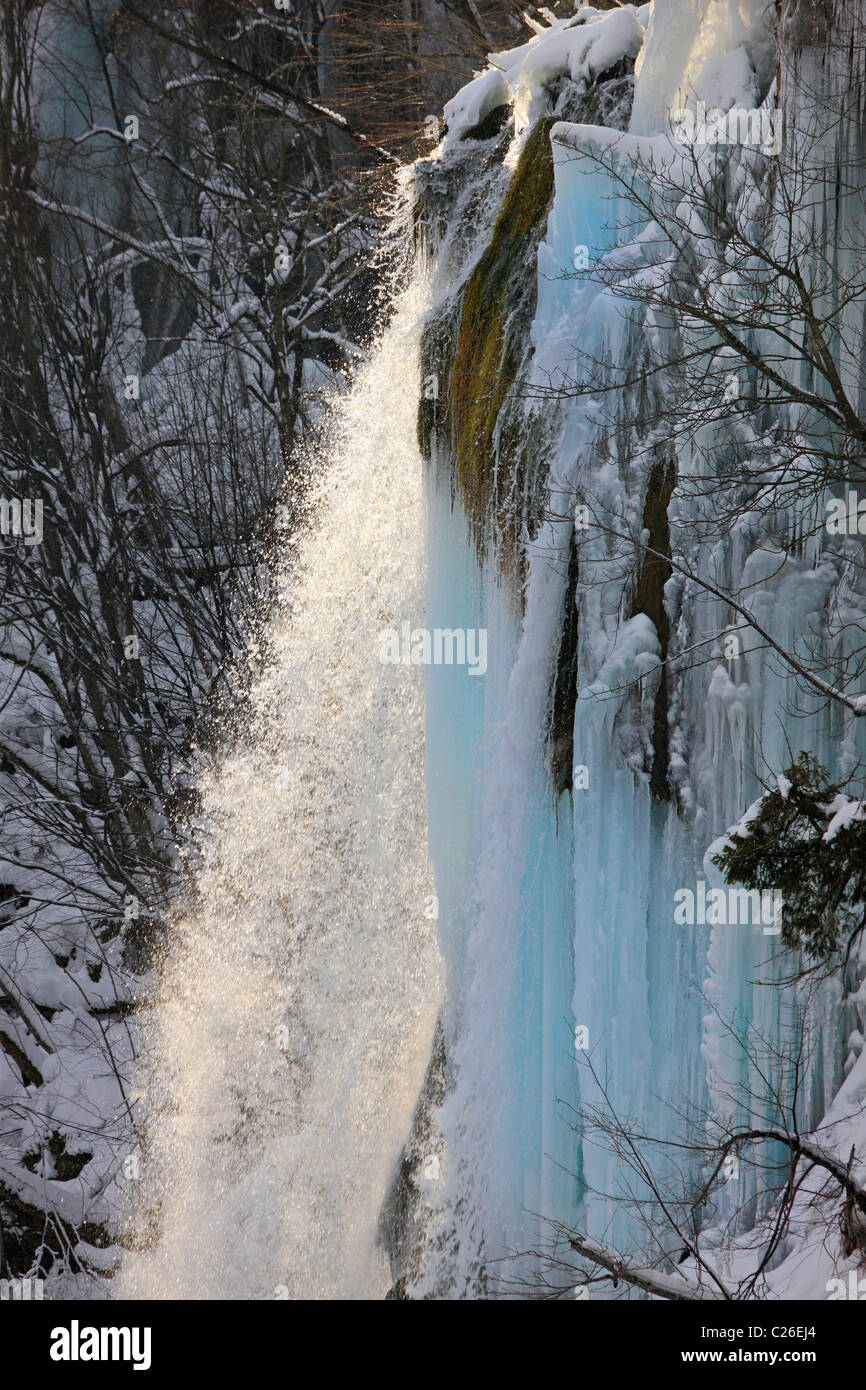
[296, 1011]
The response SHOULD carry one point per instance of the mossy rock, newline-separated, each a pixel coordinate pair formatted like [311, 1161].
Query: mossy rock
[498, 307]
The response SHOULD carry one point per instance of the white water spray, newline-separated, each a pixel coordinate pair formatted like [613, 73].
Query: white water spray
[297, 1010]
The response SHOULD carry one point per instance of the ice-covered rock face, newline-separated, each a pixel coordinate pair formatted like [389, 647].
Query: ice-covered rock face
[483, 202]
[557, 888]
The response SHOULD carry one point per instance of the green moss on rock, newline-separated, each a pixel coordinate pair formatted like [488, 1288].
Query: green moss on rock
[473, 353]
[491, 338]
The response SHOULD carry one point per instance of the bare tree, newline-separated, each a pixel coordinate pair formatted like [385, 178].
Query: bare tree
[752, 308]
[698, 1241]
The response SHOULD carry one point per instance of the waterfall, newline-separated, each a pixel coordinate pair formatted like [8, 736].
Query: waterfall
[298, 1001]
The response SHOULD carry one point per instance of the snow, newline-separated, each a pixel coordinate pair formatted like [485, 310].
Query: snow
[473, 102]
[582, 47]
[583, 52]
[844, 812]
[695, 48]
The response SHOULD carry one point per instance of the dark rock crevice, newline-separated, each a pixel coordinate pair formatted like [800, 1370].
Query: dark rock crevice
[649, 598]
[560, 737]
